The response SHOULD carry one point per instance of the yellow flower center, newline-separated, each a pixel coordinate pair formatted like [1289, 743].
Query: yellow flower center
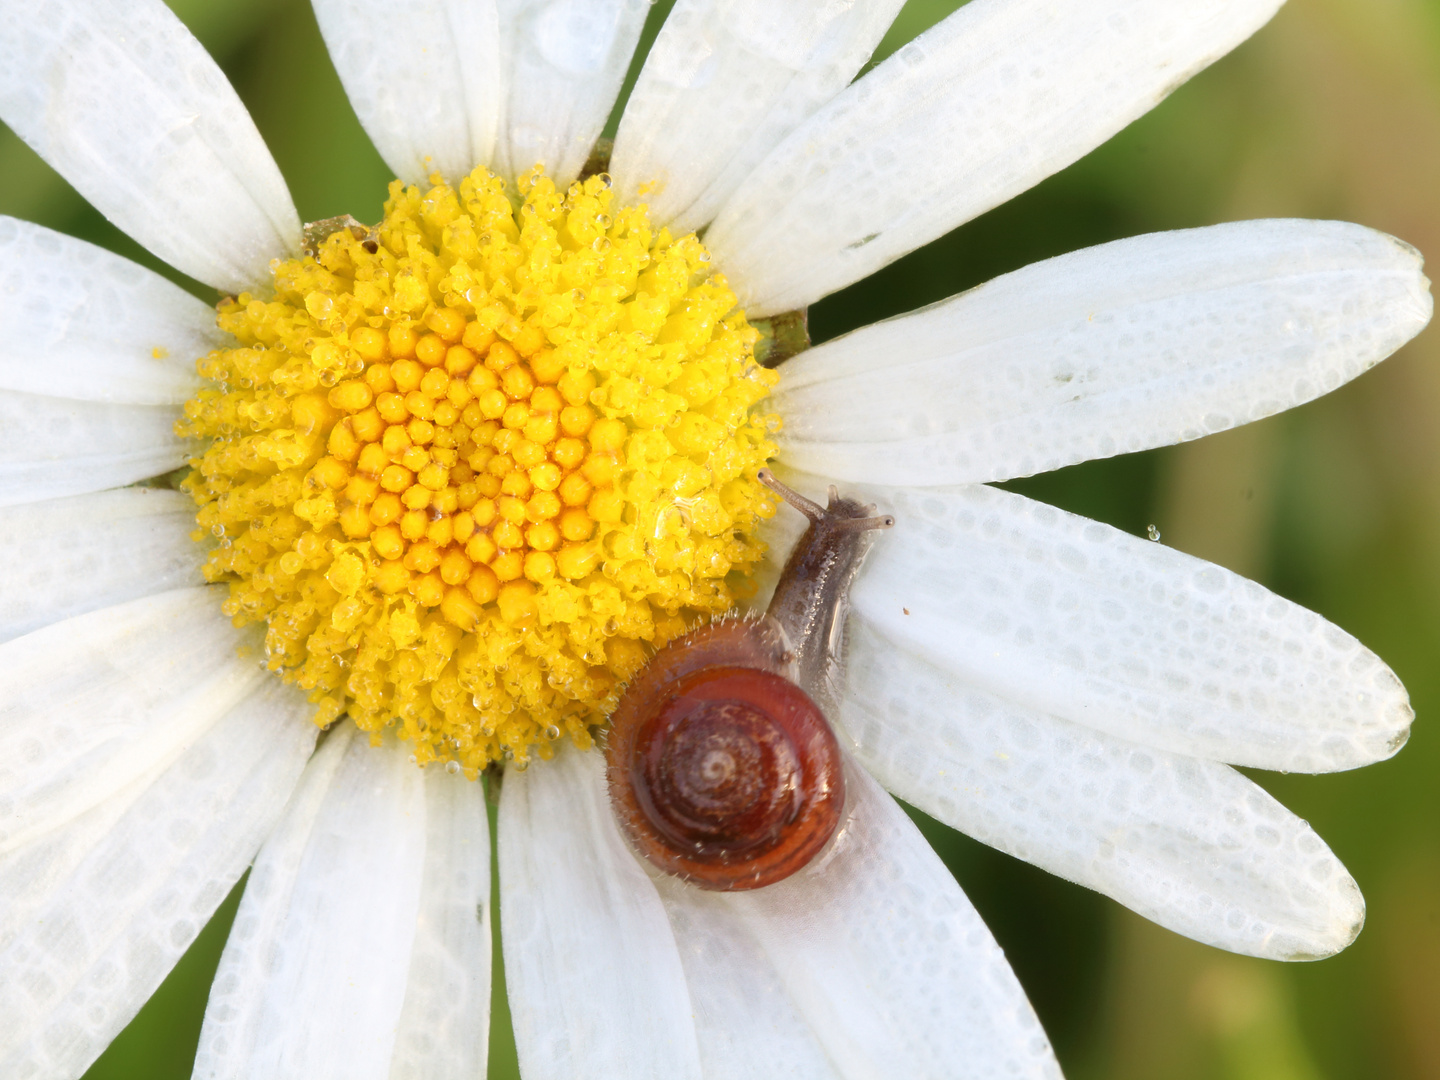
[469, 467]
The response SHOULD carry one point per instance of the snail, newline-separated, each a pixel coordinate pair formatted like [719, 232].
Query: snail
[721, 766]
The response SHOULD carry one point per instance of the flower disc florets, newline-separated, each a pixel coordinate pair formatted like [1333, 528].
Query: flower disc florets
[466, 468]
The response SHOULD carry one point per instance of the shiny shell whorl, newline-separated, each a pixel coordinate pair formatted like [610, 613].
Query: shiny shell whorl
[722, 770]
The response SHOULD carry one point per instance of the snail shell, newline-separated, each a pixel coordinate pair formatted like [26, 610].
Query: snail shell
[722, 767]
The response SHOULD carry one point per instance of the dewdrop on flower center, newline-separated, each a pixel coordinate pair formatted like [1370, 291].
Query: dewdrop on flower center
[469, 468]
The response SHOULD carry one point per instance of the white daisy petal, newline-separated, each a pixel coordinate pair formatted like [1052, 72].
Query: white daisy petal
[565, 61]
[127, 106]
[596, 986]
[96, 913]
[971, 113]
[1139, 343]
[79, 322]
[90, 705]
[359, 857]
[444, 1027]
[1069, 617]
[745, 1023]
[70, 556]
[885, 959]
[1191, 844]
[424, 79]
[725, 82]
[51, 447]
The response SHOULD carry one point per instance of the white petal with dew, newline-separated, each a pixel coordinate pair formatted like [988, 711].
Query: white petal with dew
[345, 906]
[65, 557]
[90, 705]
[968, 115]
[444, 1026]
[882, 956]
[1139, 343]
[1191, 844]
[424, 79]
[596, 986]
[564, 63]
[724, 83]
[1073, 618]
[51, 447]
[745, 1023]
[127, 106]
[98, 912]
[79, 322]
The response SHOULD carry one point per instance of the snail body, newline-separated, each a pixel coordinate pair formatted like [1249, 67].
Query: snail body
[722, 767]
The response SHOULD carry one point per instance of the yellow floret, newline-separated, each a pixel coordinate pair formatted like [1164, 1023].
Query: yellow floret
[471, 478]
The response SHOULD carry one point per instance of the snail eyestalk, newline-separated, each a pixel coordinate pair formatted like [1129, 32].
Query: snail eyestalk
[817, 513]
[812, 510]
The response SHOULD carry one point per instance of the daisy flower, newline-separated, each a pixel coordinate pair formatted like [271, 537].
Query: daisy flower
[460, 472]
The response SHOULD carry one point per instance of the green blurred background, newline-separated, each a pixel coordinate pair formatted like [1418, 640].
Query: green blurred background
[1331, 111]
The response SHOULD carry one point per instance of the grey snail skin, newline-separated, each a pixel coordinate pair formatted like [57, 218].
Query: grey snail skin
[722, 767]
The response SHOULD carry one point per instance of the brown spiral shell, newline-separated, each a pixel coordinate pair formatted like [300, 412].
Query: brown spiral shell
[721, 769]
